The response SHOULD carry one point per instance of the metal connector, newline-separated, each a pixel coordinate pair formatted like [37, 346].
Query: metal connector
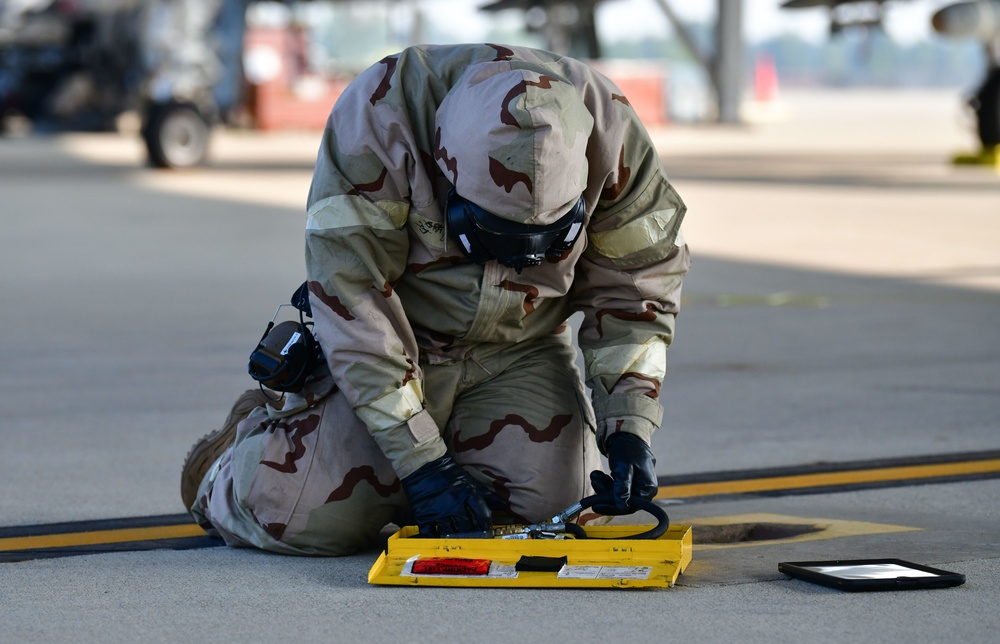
[568, 513]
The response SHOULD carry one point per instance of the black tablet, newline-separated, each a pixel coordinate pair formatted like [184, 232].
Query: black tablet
[871, 574]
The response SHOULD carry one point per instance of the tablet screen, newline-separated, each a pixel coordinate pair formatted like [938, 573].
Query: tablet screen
[869, 571]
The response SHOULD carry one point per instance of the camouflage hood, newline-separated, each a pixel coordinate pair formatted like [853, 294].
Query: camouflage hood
[512, 138]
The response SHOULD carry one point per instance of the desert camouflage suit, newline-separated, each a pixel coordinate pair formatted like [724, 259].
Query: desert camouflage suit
[429, 352]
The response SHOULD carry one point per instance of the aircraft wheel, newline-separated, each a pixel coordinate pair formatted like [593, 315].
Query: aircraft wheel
[987, 106]
[176, 136]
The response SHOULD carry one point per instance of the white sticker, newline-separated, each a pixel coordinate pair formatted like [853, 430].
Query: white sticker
[579, 572]
[605, 572]
[625, 572]
[295, 338]
[505, 571]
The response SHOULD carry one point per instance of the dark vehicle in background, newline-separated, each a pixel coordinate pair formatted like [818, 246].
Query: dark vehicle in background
[82, 64]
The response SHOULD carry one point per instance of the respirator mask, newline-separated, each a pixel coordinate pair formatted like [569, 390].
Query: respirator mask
[484, 236]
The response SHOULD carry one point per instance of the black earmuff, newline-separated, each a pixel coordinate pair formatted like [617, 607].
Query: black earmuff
[287, 353]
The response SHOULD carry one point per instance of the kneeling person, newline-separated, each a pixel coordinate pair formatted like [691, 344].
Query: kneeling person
[466, 201]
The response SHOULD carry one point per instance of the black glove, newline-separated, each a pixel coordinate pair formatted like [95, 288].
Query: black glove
[445, 500]
[632, 474]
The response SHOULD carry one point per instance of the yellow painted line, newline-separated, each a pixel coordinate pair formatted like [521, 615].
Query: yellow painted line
[829, 479]
[122, 535]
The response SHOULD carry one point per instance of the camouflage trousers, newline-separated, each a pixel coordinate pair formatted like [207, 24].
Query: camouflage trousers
[310, 479]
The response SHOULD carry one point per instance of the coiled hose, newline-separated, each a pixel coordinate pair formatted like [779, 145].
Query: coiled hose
[657, 531]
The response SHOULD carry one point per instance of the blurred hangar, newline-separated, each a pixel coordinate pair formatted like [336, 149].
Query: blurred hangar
[178, 68]
[184, 66]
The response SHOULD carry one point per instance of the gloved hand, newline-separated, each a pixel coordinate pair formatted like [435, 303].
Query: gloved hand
[632, 474]
[445, 500]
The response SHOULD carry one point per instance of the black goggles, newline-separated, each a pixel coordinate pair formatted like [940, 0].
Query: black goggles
[484, 236]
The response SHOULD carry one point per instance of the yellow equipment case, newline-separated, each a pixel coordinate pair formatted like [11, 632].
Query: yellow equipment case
[606, 559]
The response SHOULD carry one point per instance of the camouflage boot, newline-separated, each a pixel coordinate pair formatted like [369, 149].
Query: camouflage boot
[211, 446]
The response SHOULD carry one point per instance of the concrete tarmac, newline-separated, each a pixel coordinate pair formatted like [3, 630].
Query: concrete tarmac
[842, 307]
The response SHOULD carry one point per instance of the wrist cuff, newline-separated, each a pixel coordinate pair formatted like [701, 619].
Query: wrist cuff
[411, 444]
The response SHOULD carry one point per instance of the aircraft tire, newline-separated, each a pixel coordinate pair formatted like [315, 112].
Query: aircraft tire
[987, 106]
[176, 136]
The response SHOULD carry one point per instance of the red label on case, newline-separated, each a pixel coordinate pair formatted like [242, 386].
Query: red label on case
[451, 566]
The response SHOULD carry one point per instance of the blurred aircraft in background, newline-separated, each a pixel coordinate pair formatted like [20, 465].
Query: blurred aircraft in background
[568, 27]
[978, 19]
[845, 14]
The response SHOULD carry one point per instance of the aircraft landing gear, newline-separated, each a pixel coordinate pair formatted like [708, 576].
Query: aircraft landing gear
[176, 135]
[986, 103]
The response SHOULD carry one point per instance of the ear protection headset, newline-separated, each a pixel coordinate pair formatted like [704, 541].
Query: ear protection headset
[484, 236]
[287, 352]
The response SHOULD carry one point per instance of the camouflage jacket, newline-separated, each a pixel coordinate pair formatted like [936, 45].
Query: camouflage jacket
[390, 290]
